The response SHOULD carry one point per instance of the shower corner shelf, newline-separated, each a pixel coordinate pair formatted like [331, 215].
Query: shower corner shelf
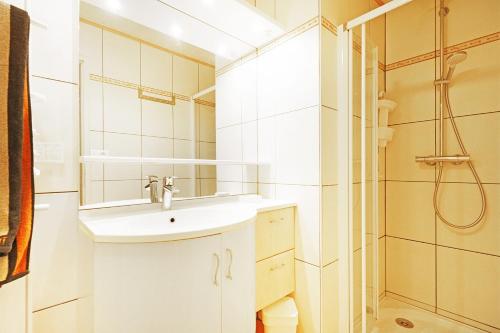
[160, 161]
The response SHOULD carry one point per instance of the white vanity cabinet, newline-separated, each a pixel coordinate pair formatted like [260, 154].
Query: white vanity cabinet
[199, 285]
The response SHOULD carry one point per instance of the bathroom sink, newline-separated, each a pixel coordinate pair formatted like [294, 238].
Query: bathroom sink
[143, 226]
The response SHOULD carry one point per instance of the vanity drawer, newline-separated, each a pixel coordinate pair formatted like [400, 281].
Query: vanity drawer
[275, 278]
[274, 233]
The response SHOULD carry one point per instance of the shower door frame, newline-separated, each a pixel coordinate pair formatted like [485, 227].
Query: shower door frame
[346, 167]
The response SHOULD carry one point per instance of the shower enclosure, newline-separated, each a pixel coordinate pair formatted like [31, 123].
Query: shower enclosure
[358, 170]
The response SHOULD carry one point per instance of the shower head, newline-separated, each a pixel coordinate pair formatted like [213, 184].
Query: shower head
[456, 58]
[453, 60]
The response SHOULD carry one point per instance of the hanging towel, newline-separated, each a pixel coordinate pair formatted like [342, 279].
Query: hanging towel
[16, 153]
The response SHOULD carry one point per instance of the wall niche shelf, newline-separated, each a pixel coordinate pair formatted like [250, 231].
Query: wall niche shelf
[160, 161]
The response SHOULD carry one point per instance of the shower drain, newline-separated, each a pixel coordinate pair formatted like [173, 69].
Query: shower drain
[404, 323]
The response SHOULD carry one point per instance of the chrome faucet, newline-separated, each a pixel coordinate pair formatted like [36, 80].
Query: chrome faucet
[153, 188]
[168, 190]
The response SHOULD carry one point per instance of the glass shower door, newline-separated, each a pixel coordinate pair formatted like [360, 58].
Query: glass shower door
[363, 179]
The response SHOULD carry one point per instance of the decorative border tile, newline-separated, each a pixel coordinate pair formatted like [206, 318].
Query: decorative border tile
[151, 90]
[329, 25]
[450, 49]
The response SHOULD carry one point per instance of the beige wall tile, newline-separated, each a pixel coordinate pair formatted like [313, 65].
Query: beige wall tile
[468, 285]
[308, 296]
[157, 147]
[115, 190]
[412, 88]
[480, 136]
[381, 163]
[157, 119]
[307, 220]
[184, 121]
[122, 110]
[416, 20]
[267, 6]
[156, 68]
[410, 140]
[381, 265]
[376, 33]
[122, 145]
[121, 58]
[329, 70]
[330, 298]
[207, 123]
[184, 149]
[208, 187]
[188, 188]
[207, 151]
[339, 11]
[477, 77]
[185, 76]
[329, 232]
[410, 212]
[206, 79]
[461, 204]
[467, 20]
[382, 208]
[292, 13]
[329, 142]
[410, 269]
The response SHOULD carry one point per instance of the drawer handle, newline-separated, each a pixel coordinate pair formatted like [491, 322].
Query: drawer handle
[217, 264]
[230, 254]
[274, 268]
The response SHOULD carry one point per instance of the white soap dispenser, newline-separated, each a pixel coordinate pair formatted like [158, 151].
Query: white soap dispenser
[385, 106]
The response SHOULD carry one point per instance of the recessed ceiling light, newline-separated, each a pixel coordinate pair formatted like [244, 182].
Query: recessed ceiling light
[114, 5]
[176, 31]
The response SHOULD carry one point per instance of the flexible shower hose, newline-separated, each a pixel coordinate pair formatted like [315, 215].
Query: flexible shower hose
[471, 167]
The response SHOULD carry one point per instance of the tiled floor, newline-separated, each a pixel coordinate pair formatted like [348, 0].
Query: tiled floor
[423, 321]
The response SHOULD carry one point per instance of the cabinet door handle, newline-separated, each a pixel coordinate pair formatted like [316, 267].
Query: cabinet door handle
[230, 255]
[217, 264]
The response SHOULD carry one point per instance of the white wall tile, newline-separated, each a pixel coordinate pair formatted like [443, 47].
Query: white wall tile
[229, 148]
[53, 49]
[13, 314]
[308, 296]
[229, 187]
[307, 225]
[267, 191]
[59, 319]
[55, 119]
[330, 298]
[329, 69]
[228, 98]
[54, 269]
[249, 150]
[288, 75]
[188, 188]
[266, 150]
[248, 82]
[329, 146]
[297, 147]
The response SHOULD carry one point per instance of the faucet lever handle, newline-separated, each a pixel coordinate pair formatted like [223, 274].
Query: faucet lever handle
[169, 180]
[151, 179]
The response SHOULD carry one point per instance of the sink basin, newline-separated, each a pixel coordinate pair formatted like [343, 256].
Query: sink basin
[145, 226]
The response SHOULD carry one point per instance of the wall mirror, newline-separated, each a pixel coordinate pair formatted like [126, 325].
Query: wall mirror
[147, 91]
